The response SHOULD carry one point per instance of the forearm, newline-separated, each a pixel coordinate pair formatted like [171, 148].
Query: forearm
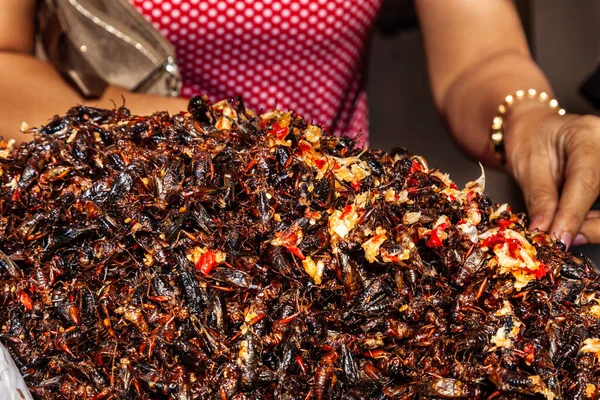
[472, 100]
[32, 91]
[477, 54]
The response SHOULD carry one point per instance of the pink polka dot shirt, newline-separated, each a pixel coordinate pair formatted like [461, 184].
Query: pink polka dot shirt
[304, 55]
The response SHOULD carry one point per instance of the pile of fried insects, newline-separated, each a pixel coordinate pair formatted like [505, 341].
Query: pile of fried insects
[220, 254]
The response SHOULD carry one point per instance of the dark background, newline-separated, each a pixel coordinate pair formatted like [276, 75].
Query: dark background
[565, 39]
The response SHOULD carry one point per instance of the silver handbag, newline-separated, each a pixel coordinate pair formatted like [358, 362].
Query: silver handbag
[94, 43]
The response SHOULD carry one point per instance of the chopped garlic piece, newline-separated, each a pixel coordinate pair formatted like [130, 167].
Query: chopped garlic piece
[411, 217]
[220, 256]
[539, 386]
[591, 345]
[397, 198]
[441, 220]
[314, 270]
[148, 259]
[312, 134]
[371, 246]
[468, 230]
[505, 310]
[590, 389]
[502, 338]
[497, 213]
[474, 216]
[342, 222]
[595, 311]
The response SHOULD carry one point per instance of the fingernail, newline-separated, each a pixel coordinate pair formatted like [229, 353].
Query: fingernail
[536, 222]
[566, 238]
[580, 240]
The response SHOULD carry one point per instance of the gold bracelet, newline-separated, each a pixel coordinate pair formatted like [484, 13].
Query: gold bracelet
[497, 130]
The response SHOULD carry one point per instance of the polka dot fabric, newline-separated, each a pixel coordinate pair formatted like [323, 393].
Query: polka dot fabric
[305, 55]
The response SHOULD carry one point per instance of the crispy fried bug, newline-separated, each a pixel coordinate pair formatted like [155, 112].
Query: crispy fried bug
[221, 254]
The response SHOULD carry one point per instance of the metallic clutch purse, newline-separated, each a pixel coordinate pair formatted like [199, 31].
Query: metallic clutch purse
[94, 43]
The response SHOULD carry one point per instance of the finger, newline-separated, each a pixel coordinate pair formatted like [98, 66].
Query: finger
[589, 232]
[541, 196]
[582, 183]
[593, 214]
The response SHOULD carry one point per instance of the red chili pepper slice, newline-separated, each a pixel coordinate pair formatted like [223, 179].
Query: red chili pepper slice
[206, 262]
[25, 300]
[529, 352]
[504, 223]
[415, 166]
[471, 196]
[289, 239]
[346, 211]
[541, 271]
[279, 131]
[320, 163]
[304, 147]
[434, 237]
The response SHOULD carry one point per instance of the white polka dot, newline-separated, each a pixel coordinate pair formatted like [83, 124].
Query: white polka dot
[285, 13]
[276, 6]
[258, 19]
[156, 13]
[248, 12]
[147, 5]
[185, 7]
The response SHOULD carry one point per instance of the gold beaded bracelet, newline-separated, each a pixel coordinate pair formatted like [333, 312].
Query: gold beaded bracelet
[497, 130]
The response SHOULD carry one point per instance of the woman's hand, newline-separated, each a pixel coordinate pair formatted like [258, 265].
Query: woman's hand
[556, 161]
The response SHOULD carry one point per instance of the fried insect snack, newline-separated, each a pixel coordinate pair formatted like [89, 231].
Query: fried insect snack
[221, 254]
